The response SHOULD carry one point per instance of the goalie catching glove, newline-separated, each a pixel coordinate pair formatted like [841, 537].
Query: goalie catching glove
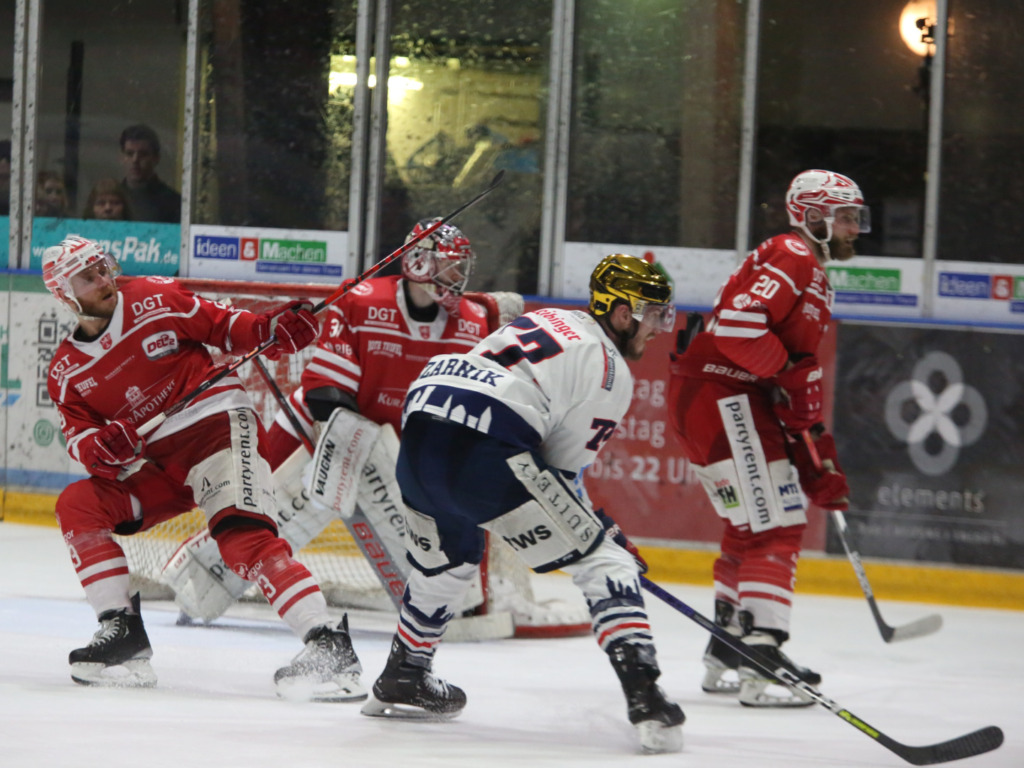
[292, 326]
[801, 394]
[828, 487]
[106, 452]
[612, 531]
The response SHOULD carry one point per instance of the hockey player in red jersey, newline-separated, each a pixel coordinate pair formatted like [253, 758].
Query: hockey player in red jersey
[740, 395]
[136, 352]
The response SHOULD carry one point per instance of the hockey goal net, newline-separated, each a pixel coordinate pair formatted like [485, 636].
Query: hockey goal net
[345, 576]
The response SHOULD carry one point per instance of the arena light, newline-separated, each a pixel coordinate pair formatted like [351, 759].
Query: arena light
[918, 22]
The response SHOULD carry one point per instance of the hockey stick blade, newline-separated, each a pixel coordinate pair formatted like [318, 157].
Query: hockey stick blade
[970, 744]
[926, 625]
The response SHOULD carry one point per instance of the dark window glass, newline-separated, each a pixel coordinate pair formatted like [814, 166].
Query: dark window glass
[274, 141]
[838, 89]
[467, 98]
[982, 148]
[654, 148]
[105, 67]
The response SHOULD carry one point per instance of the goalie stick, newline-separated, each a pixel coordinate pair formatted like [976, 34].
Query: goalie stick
[975, 743]
[344, 288]
[926, 625]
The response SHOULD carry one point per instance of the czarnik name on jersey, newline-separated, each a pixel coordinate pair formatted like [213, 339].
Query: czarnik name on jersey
[462, 369]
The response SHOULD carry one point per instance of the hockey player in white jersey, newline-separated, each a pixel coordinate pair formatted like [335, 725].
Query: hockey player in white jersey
[497, 439]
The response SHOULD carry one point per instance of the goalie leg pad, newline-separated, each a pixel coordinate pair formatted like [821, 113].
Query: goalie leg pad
[341, 452]
[204, 587]
[299, 518]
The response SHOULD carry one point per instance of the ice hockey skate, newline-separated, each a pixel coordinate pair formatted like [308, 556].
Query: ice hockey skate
[118, 654]
[758, 689]
[327, 669]
[412, 692]
[658, 720]
[721, 663]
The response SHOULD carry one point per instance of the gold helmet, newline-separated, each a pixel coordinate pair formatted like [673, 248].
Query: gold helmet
[633, 280]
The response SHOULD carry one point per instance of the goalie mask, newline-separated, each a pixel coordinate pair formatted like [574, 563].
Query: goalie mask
[441, 262]
[74, 255]
[630, 279]
[815, 196]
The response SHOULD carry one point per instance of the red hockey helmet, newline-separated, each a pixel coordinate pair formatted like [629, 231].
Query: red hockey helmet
[62, 262]
[441, 262]
[816, 195]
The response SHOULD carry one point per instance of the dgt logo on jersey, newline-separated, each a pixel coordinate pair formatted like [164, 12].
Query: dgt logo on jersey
[160, 345]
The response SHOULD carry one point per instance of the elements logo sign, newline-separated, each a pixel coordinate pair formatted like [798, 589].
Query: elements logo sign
[935, 425]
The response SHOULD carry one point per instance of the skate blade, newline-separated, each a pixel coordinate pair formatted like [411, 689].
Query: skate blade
[341, 688]
[755, 693]
[136, 673]
[377, 708]
[715, 682]
[657, 738]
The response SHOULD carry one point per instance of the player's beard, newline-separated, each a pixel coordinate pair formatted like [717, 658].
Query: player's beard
[629, 343]
[841, 250]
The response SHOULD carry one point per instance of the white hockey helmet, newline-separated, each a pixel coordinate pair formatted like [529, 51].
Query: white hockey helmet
[816, 195]
[62, 262]
[441, 262]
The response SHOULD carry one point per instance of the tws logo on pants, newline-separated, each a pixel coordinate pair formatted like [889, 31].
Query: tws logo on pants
[935, 425]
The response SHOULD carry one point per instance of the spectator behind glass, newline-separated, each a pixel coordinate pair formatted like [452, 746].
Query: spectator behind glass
[108, 201]
[5, 178]
[150, 198]
[51, 195]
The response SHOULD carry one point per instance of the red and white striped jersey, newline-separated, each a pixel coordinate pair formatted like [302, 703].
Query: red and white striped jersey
[151, 354]
[776, 304]
[372, 348]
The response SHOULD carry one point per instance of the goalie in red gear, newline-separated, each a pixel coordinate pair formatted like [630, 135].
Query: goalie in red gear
[378, 336]
[137, 350]
[740, 395]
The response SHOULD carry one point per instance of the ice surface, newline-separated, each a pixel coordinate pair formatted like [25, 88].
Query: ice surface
[531, 702]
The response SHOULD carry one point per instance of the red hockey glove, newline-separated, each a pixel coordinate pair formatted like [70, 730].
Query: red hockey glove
[105, 452]
[827, 488]
[293, 327]
[801, 395]
[612, 531]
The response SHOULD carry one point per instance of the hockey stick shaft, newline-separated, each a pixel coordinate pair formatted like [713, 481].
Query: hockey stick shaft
[286, 407]
[923, 626]
[344, 288]
[974, 743]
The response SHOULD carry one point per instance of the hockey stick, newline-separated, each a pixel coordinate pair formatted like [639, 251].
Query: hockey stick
[344, 288]
[286, 407]
[975, 743]
[926, 625]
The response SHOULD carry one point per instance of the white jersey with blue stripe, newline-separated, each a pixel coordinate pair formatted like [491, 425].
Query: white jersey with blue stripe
[551, 380]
